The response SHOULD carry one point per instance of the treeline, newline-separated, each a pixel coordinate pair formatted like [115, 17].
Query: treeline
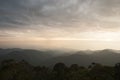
[21, 70]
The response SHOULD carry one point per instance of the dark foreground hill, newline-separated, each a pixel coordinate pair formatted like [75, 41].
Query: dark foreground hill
[50, 57]
[21, 70]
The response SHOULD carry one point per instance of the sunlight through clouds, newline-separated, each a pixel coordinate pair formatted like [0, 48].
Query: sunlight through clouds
[87, 21]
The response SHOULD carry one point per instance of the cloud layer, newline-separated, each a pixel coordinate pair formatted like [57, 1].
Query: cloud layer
[58, 16]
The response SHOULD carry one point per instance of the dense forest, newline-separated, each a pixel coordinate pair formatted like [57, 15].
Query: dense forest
[21, 70]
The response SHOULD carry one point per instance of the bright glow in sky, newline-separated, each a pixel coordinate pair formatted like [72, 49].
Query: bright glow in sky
[73, 24]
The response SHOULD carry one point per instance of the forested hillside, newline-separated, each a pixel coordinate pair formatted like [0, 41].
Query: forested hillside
[21, 70]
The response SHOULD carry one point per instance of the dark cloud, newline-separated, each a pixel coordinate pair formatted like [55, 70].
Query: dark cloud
[38, 22]
[53, 13]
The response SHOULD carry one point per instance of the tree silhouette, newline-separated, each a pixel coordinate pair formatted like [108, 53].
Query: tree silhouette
[60, 70]
[117, 71]
[21, 70]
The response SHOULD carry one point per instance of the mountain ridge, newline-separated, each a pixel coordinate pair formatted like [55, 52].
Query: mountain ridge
[50, 57]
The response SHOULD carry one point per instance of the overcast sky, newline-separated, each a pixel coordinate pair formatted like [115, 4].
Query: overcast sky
[51, 23]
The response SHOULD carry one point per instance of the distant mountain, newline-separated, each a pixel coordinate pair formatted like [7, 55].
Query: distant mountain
[34, 57]
[85, 58]
[50, 57]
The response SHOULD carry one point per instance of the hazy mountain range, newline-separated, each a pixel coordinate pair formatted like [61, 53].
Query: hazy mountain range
[50, 57]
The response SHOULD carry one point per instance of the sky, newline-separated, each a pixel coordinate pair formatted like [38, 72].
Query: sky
[56, 24]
